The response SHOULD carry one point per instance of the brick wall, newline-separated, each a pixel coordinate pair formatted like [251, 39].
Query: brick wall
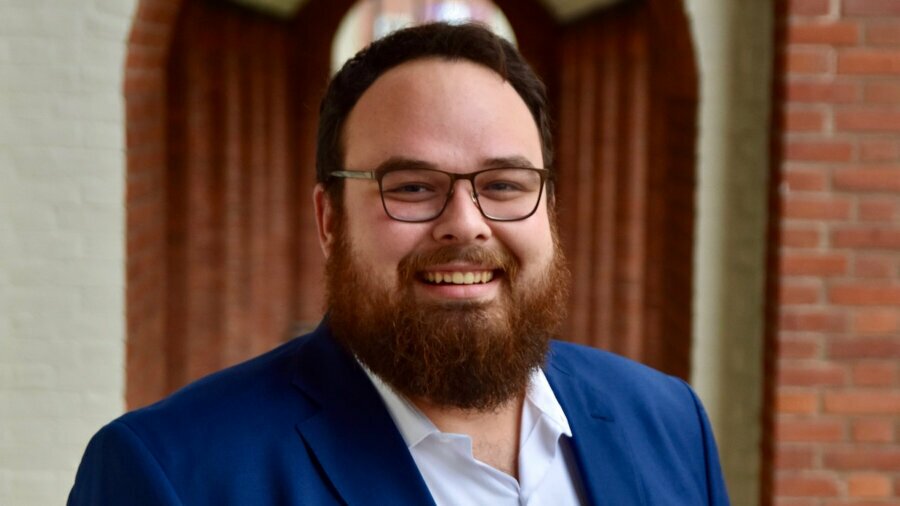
[837, 332]
[61, 238]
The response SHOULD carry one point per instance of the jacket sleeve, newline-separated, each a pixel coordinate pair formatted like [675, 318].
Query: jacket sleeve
[717, 493]
[117, 468]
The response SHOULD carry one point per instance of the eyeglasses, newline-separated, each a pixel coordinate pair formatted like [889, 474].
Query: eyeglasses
[418, 195]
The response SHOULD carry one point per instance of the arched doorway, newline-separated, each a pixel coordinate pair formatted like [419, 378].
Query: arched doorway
[627, 93]
[221, 117]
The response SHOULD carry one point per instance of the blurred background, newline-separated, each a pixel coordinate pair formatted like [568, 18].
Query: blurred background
[729, 202]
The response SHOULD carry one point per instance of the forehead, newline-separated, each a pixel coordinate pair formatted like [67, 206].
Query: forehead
[440, 111]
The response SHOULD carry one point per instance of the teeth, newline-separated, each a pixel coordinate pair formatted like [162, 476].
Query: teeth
[459, 278]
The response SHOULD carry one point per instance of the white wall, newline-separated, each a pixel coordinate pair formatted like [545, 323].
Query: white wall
[62, 321]
[734, 42]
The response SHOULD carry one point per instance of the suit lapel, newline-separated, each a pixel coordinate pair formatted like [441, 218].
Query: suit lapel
[352, 434]
[605, 460]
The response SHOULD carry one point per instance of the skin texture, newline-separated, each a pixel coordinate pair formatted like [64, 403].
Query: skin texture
[457, 117]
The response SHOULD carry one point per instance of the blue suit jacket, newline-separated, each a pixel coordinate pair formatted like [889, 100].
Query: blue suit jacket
[303, 424]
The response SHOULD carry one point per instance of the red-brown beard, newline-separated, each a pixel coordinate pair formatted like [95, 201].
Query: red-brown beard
[467, 355]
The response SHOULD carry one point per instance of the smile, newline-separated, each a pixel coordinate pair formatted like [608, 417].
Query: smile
[458, 277]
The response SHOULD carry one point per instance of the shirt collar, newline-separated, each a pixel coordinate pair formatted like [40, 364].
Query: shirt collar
[541, 396]
[414, 426]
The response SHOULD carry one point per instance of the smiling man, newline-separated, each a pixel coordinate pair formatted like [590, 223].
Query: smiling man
[433, 378]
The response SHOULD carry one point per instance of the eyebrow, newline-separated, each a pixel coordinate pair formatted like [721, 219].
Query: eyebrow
[399, 162]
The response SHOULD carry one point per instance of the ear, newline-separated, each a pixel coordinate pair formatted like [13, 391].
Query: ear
[325, 217]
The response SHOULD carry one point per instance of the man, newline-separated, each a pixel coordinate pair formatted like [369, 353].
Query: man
[432, 378]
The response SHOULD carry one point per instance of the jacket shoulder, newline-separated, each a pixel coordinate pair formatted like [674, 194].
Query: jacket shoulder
[239, 422]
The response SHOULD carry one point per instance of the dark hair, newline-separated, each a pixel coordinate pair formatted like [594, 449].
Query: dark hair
[470, 41]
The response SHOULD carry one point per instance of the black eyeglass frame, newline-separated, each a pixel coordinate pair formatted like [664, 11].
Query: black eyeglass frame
[376, 175]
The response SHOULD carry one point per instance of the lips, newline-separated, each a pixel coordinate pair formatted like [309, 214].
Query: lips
[457, 271]
[458, 277]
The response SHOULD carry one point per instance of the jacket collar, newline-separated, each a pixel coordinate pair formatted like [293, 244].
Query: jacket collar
[351, 434]
[605, 460]
[351, 420]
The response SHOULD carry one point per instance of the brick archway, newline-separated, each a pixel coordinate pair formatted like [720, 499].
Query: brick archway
[198, 268]
[145, 130]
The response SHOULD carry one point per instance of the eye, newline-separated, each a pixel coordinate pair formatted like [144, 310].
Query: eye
[410, 191]
[414, 185]
[507, 184]
[409, 188]
[501, 186]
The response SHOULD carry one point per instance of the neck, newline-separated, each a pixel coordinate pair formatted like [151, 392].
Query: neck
[494, 433]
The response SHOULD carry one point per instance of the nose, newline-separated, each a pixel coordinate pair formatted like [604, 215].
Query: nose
[461, 222]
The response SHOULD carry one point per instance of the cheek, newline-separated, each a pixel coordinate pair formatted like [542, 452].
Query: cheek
[532, 243]
[380, 242]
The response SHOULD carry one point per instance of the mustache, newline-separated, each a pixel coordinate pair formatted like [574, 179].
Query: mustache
[494, 258]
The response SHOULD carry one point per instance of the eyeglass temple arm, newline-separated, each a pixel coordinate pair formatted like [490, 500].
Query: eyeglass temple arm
[354, 174]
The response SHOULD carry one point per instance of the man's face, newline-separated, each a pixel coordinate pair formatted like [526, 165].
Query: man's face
[458, 117]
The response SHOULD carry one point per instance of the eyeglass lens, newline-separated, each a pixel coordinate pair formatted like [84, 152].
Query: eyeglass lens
[421, 194]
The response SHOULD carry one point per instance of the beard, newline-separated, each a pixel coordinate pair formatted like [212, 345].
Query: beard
[459, 354]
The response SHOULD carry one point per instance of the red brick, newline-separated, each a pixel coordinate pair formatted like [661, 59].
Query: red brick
[793, 457]
[797, 347]
[800, 237]
[806, 485]
[807, 7]
[875, 373]
[883, 92]
[868, 485]
[809, 431]
[138, 83]
[824, 374]
[877, 209]
[880, 150]
[864, 347]
[873, 266]
[816, 91]
[858, 294]
[873, 179]
[874, 458]
[877, 321]
[867, 120]
[813, 264]
[866, 237]
[857, 402]
[865, 61]
[813, 321]
[145, 34]
[805, 179]
[159, 12]
[807, 60]
[147, 57]
[804, 120]
[797, 293]
[871, 7]
[794, 402]
[840, 33]
[795, 501]
[817, 208]
[873, 430]
[883, 32]
[819, 151]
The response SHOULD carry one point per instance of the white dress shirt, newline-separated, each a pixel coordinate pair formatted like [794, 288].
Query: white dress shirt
[547, 471]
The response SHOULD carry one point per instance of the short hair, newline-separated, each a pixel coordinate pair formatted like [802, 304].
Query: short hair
[470, 41]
